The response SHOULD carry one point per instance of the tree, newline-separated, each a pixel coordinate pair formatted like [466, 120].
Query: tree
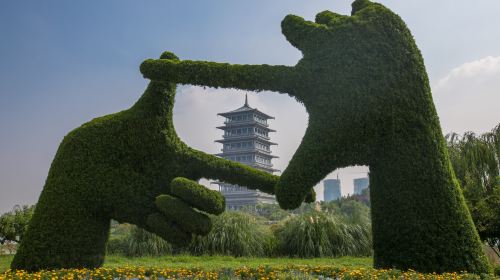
[13, 224]
[476, 161]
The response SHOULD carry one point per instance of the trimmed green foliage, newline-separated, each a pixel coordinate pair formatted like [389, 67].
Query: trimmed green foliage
[316, 234]
[235, 234]
[114, 167]
[198, 196]
[174, 208]
[363, 82]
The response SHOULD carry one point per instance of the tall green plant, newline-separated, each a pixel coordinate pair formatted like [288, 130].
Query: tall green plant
[316, 234]
[235, 234]
[142, 243]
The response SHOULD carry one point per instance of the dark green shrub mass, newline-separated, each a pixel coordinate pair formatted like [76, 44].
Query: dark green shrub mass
[117, 167]
[364, 85]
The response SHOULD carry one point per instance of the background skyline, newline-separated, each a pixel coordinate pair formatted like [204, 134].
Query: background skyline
[64, 63]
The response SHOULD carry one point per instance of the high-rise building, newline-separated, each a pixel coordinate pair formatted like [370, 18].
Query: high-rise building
[360, 184]
[246, 140]
[331, 189]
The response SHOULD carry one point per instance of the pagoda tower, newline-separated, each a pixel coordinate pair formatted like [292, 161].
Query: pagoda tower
[246, 140]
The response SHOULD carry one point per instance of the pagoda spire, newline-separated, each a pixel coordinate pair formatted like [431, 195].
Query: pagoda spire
[246, 99]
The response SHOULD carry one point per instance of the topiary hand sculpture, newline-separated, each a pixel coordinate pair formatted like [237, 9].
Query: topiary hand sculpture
[363, 82]
[132, 167]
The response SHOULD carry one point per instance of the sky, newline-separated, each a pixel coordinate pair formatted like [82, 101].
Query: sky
[66, 62]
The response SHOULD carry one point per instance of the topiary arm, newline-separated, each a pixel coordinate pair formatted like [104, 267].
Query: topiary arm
[304, 170]
[212, 167]
[247, 77]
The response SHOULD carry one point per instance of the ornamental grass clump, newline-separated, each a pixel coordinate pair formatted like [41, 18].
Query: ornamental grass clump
[142, 243]
[234, 234]
[317, 234]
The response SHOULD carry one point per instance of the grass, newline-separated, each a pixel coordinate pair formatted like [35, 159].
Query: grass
[5, 262]
[216, 262]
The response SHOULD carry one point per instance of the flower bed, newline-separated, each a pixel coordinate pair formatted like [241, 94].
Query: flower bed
[260, 273]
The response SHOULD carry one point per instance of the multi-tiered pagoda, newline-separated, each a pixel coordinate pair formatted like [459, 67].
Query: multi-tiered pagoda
[246, 140]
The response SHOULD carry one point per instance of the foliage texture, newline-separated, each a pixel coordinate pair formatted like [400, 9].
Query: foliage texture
[14, 224]
[316, 234]
[363, 83]
[143, 243]
[476, 161]
[120, 167]
[234, 234]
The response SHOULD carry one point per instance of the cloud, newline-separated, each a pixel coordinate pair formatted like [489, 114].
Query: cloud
[468, 97]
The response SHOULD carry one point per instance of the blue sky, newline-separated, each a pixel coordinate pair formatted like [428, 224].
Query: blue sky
[66, 62]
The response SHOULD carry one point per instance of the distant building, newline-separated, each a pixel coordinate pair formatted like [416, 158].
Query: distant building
[246, 140]
[331, 189]
[360, 184]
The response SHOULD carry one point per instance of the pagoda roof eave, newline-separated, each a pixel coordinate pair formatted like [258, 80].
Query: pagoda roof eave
[239, 139]
[244, 109]
[245, 152]
[231, 127]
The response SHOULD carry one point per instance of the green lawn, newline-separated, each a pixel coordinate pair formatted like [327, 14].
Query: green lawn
[217, 262]
[5, 262]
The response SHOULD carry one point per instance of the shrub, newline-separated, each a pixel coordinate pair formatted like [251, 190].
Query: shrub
[117, 246]
[14, 224]
[355, 211]
[236, 234]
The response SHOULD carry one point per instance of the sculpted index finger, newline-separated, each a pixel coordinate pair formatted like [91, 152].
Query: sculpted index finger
[198, 196]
